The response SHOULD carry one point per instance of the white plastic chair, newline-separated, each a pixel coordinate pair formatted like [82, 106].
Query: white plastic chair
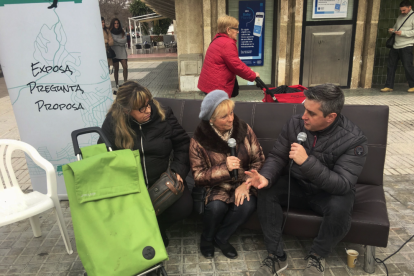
[15, 204]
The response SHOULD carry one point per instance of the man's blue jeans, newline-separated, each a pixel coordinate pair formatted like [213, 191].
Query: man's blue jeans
[335, 209]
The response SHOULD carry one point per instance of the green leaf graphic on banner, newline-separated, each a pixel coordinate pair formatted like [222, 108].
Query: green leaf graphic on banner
[12, 2]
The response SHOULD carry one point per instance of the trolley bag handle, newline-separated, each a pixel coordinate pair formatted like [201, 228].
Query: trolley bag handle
[261, 84]
[87, 130]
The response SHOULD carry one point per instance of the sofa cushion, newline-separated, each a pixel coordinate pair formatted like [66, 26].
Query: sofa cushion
[370, 225]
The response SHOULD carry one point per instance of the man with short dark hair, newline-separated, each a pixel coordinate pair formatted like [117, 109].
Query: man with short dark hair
[403, 47]
[324, 171]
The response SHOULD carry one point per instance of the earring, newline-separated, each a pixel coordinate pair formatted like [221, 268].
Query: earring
[211, 124]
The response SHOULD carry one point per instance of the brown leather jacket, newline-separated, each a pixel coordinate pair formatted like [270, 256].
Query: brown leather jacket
[208, 154]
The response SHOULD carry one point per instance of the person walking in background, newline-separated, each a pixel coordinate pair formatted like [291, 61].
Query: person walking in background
[108, 41]
[403, 47]
[222, 62]
[121, 56]
[129, 40]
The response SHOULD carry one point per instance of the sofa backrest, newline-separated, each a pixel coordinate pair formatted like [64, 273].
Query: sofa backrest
[267, 120]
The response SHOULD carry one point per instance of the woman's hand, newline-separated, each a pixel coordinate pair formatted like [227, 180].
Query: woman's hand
[241, 193]
[232, 163]
[257, 75]
[179, 178]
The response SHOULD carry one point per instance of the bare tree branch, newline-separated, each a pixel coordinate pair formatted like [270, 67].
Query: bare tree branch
[115, 9]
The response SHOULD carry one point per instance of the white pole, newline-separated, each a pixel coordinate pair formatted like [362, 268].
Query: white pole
[136, 38]
[130, 35]
[140, 31]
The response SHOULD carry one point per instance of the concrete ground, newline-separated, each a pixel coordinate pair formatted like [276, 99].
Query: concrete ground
[22, 254]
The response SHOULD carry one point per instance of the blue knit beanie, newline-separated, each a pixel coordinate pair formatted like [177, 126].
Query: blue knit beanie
[210, 102]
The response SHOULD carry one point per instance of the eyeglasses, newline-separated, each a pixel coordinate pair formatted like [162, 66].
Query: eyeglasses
[144, 108]
[236, 29]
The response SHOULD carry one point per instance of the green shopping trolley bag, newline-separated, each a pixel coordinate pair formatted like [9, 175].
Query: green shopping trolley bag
[114, 222]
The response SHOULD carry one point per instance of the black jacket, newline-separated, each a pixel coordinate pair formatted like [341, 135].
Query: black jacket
[335, 160]
[159, 138]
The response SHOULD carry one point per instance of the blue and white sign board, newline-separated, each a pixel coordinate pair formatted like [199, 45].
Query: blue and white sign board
[330, 8]
[251, 32]
[56, 72]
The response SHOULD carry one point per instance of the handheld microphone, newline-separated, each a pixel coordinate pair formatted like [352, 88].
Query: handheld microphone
[301, 139]
[232, 144]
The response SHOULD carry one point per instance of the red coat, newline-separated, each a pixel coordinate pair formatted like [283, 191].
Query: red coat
[221, 65]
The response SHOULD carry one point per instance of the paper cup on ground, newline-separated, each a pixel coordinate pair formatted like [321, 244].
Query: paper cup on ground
[352, 257]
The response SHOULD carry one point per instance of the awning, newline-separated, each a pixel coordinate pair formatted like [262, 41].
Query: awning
[164, 7]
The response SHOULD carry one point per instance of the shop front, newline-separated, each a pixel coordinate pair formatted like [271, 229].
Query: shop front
[307, 42]
[287, 42]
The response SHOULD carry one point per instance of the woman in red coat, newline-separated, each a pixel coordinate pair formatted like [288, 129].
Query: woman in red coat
[222, 62]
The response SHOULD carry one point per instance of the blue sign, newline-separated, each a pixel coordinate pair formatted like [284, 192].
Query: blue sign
[251, 32]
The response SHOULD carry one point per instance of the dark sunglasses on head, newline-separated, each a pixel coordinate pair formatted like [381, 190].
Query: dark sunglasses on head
[237, 29]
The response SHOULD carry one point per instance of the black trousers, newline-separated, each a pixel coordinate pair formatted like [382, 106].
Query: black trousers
[406, 56]
[181, 209]
[335, 209]
[221, 220]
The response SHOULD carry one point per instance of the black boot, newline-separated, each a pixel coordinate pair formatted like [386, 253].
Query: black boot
[116, 89]
[228, 250]
[206, 248]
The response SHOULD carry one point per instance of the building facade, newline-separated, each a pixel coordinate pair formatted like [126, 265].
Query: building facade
[301, 44]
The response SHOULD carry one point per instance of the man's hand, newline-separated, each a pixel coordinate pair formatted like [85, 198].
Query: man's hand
[298, 154]
[391, 30]
[256, 180]
[398, 33]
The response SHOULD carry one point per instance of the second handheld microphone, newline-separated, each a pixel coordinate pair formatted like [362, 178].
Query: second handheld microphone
[232, 144]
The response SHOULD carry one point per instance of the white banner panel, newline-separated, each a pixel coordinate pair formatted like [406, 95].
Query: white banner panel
[56, 72]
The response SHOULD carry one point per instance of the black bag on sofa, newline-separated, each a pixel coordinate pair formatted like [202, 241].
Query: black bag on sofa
[199, 195]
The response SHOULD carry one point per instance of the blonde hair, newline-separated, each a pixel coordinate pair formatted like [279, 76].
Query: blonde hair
[225, 22]
[222, 109]
[130, 96]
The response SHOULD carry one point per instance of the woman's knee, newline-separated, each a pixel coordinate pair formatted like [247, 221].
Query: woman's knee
[248, 206]
[179, 210]
[216, 207]
[184, 205]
